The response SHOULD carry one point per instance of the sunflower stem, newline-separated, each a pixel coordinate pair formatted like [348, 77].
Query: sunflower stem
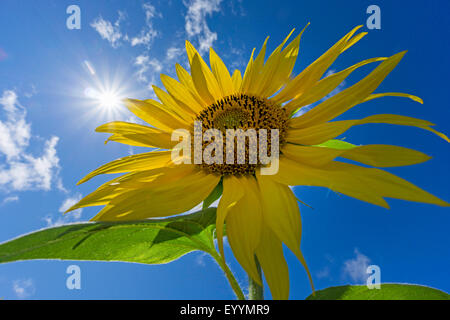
[255, 291]
[230, 277]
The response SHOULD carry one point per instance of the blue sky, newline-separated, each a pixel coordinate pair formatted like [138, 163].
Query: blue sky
[49, 74]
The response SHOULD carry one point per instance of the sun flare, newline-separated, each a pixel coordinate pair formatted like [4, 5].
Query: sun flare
[105, 99]
[109, 100]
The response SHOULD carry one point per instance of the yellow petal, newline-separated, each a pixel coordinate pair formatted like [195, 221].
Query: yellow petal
[140, 179]
[136, 134]
[232, 193]
[186, 79]
[389, 185]
[221, 73]
[128, 141]
[393, 94]
[367, 184]
[156, 178]
[346, 99]
[202, 71]
[440, 134]
[99, 197]
[323, 132]
[181, 95]
[325, 86]
[265, 74]
[309, 155]
[154, 113]
[150, 140]
[373, 155]
[308, 77]
[259, 60]
[294, 173]
[191, 52]
[385, 156]
[281, 213]
[244, 223]
[160, 201]
[279, 67]
[253, 70]
[271, 258]
[237, 80]
[247, 84]
[136, 162]
[354, 40]
[204, 81]
[123, 127]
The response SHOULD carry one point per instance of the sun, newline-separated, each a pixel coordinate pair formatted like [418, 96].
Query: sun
[109, 100]
[102, 90]
[104, 102]
[106, 99]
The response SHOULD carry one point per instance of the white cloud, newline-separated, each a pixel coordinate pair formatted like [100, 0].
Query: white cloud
[195, 209]
[10, 199]
[147, 67]
[113, 34]
[200, 258]
[31, 92]
[21, 170]
[323, 273]
[24, 288]
[150, 12]
[237, 57]
[148, 33]
[109, 31]
[15, 132]
[195, 22]
[61, 219]
[236, 8]
[144, 38]
[69, 202]
[356, 268]
[199, 207]
[336, 90]
[173, 53]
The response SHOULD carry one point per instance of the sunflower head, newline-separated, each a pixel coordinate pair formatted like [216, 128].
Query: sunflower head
[260, 210]
[248, 113]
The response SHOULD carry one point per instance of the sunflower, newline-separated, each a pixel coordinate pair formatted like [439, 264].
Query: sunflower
[260, 210]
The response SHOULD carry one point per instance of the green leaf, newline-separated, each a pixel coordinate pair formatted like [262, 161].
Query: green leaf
[149, 241]
[213, 196]
[388, 291]
[336, 144]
